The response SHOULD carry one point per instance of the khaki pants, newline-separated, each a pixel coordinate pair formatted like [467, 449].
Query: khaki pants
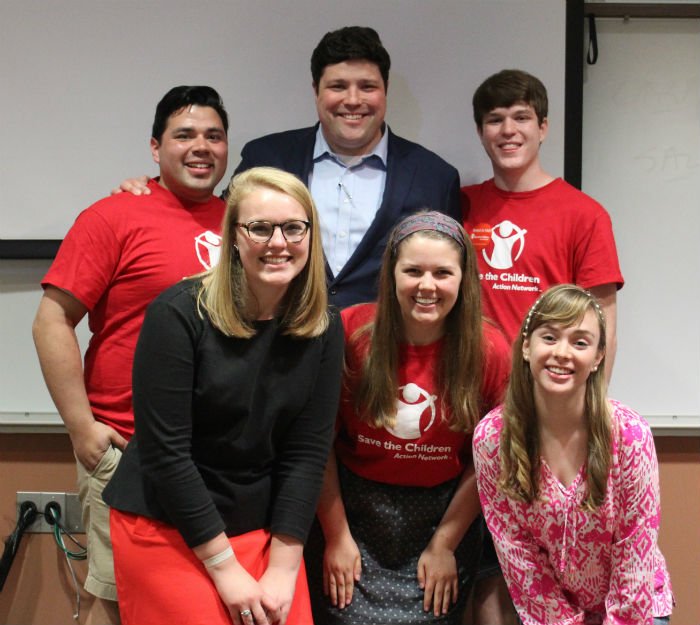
[100, 577]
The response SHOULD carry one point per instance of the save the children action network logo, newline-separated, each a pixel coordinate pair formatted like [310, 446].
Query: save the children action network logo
[208, 248]
[415, 412]
[500, 245]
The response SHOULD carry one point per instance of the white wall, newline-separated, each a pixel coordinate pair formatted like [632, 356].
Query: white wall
[81, 79]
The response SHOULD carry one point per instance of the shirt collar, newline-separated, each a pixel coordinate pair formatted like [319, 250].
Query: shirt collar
[323, 150]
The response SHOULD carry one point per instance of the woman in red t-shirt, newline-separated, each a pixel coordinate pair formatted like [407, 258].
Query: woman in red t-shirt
[399, 501]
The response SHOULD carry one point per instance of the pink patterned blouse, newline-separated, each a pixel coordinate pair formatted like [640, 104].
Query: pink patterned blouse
[565, 565]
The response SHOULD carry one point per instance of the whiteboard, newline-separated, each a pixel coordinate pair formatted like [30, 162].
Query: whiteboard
[81, 79]
[641, 160]
[84, 77]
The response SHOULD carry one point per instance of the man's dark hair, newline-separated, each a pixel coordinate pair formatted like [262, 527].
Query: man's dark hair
[352, 43]
[180, 97]
[506, 88]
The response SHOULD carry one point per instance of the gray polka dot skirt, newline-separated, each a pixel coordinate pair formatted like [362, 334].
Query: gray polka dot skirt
[391, 525]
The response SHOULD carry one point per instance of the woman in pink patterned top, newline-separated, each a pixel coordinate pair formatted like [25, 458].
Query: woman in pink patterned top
[568, 480]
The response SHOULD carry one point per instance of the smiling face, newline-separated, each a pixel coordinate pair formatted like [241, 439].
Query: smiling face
[351, 105]
[192, 153]
[270, 267]
[511, 137]
[428, 277]
[563, 357]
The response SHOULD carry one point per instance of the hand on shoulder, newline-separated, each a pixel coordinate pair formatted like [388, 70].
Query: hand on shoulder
[135, 186]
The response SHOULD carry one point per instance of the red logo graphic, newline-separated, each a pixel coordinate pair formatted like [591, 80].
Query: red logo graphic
[481, 236]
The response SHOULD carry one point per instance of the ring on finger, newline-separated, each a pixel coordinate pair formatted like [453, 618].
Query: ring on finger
[246, 612]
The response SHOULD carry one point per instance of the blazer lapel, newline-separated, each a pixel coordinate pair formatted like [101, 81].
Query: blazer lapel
[308, 141]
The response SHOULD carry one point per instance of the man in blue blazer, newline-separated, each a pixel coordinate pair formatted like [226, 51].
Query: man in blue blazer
[363, 177]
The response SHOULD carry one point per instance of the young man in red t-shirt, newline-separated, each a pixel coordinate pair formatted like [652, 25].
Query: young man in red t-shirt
[121, 252]
[531, 230]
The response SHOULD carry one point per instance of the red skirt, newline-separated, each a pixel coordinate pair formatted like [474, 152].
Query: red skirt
[160, 581]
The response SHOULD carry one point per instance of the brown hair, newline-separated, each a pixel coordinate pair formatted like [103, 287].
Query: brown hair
[506, 88]
[460, 369]
[565, 304]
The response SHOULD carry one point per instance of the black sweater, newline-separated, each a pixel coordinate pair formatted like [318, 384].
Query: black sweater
[231, 434]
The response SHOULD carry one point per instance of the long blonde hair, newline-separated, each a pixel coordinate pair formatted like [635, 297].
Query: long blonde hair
[459, 372]
[224, 293]
[565, 304]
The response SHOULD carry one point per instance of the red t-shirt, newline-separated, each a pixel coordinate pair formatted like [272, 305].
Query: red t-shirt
[529, 241]
[119, 254]
[420, 450]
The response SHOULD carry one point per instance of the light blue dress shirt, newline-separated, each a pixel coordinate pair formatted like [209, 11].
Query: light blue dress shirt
[348, 192]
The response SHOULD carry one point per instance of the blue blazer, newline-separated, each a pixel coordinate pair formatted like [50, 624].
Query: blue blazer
[416, 178]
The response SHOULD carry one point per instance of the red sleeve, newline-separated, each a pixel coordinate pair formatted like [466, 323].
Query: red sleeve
[466, 205]
[595, 254]
[87, 259]
[497, 361]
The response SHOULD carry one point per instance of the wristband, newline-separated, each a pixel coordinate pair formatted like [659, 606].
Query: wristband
[218, 558]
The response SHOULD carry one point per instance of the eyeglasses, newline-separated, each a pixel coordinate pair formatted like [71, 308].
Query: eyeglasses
[293, 230]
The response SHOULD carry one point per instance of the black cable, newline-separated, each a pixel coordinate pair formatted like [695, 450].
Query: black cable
[27, 515]
[52, 513]
[592, 55]
[53, 517]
